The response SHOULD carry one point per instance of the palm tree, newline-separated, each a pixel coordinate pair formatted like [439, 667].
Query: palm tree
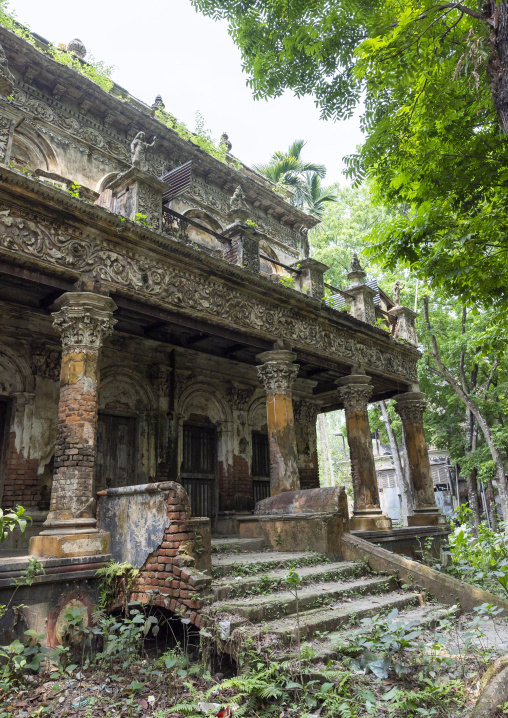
[287, 169]
[316, 195]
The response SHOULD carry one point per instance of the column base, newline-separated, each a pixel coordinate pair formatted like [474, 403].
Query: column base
[427, 517]
[369, 521]
[67, 539]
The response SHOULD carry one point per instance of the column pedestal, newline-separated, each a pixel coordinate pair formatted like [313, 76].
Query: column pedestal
[278, 374]
[84, 319]
[355, 392]
[410, 407]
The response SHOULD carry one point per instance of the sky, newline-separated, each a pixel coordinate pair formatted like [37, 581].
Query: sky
[165, 47]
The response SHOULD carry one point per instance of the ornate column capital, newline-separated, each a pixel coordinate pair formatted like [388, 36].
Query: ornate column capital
[84, 320]
[355, 392]
[410, 406]
[277, 372]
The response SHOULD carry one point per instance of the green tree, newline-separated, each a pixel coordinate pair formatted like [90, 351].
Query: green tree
[303, 179]
[434, 79]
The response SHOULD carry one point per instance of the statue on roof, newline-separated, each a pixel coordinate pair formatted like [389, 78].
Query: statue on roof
[224, 140]
[138, 150]
[397, 287]
[239, 209]
[355, 264]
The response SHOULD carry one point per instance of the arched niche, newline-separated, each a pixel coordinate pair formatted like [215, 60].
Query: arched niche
[127, 429]
[265, 266]
[32, 151]
[201, 236]
[256, 415]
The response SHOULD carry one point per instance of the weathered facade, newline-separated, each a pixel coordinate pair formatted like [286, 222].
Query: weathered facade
[145, 335]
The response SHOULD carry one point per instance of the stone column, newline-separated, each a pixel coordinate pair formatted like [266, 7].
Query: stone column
[244, 248]
[355, 392]
[84, 319]
[278, 373]
[410, 408]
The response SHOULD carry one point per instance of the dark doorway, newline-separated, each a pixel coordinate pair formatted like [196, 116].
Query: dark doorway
[260, 466]
[115, 464]
[199, 468]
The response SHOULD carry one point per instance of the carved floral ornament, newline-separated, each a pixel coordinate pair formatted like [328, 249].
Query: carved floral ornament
[46, 363]
[83, 328]
[305, 412]
[188, 289]
[278, 377]
[355, 397]
[161, 375]
[411, 411]
[240, 398]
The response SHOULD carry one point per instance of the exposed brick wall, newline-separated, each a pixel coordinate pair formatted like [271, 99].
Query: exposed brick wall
[170, 571]
[22, 485]
[75, 445]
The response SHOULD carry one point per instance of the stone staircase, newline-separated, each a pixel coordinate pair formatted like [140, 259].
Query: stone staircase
[251, 598]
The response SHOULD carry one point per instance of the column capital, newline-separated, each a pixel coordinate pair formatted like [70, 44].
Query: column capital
[277, 372]
[355, 392]
[410, 406]
[84, 320]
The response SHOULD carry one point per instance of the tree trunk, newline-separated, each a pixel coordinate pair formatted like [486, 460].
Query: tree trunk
[331, 477]
[497, 67]
[491, 505]
[324, 457]
[400, 476]
[472, 485]
[475, 410]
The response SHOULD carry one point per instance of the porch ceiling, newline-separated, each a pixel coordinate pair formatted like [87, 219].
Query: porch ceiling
[37, 291]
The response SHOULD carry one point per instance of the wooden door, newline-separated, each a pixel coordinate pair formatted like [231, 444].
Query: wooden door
[115, 464]
[260, 466]
[199, 468]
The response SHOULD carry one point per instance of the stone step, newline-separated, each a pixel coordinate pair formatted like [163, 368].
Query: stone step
[232, 587]
[325, 649]
[236, 544]
[283, 631]
[249, 564]
[276, 605]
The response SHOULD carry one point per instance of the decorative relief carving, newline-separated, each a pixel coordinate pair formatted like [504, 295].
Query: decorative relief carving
[355, 397]
[211, 196]
[411, 412]
[150, 203]
[84, 324]
[278, 377]
[161, 375]
[239, 398]
[305, 412]
[75, 126]
[5, 128]
[46, 363]
[186, 289]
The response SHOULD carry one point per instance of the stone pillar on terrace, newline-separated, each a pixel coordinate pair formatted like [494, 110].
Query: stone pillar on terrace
[310, 280]
[277, 372]
[83, 319]
[410, 407]
[362, 306]
[355, 392]
[137, 195]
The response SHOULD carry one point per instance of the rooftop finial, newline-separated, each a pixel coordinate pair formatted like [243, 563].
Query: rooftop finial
[158, 104]
[356, 273]
[77, 47]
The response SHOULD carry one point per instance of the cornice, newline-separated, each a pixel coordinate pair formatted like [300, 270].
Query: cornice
[128, 111]
[61, 208]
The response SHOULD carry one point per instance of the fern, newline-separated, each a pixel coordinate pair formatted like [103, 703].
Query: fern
[188, 709]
